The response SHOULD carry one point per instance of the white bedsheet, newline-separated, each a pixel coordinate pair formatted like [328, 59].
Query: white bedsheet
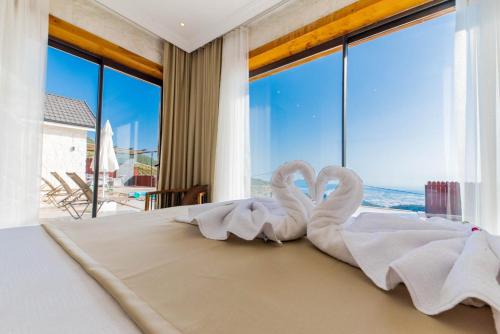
[42, 290]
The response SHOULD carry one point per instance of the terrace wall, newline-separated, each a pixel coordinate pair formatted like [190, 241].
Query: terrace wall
[64, 150]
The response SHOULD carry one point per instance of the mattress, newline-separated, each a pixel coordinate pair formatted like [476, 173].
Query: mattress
[169, 279]
[43, 291]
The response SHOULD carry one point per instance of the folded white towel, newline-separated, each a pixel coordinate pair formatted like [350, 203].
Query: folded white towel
[280, 219]
[441, 262]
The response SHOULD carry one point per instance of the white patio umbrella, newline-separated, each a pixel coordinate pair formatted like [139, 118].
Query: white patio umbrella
[107, 156]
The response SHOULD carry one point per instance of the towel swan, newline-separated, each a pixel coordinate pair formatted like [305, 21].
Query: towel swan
[280, 219]
[390, 249]
[327, 219]
[295, 204]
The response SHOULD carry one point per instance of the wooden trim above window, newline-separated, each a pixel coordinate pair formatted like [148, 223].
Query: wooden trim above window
[68, 33]
[351, 18]
[289, 65]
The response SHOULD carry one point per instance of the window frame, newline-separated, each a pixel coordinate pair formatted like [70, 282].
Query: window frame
[412, 17]
[103, 62]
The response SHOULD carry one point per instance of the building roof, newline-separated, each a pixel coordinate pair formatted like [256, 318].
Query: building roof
[63, 110]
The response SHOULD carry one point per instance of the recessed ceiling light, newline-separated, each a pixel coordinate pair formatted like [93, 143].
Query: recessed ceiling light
[182, 24]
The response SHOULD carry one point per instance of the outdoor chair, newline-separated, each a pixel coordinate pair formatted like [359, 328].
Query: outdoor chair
[176, 197]
[66, 191]
[442, 199]
[46, 186]
[50, 192]
[86, 198]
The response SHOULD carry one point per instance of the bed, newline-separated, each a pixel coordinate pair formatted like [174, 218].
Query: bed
[146, 273]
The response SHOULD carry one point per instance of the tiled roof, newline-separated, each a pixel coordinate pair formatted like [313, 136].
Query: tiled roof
[63, 110]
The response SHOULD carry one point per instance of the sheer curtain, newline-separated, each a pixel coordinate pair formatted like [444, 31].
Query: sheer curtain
[23, 49]
[232, 159]
[475, 131]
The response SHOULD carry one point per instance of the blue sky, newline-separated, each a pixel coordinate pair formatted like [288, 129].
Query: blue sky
[399, 91]
[130, 104]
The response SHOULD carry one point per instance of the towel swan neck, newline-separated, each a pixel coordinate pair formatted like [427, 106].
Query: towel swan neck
[296, 205]
[346, 197]
[324, 228]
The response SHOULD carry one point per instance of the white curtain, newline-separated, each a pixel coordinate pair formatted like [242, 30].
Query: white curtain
[23, 49]
[475, 134]
[232, 158]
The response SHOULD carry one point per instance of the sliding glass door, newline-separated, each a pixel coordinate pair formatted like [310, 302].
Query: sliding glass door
[130, 110]
[84, 93]
[69, 129]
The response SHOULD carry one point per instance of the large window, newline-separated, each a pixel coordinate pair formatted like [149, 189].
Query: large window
[83, 91]
[398, 95]
[399, 91]
[296, 115]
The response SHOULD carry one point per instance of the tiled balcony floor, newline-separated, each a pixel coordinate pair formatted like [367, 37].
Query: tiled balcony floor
[50, 212]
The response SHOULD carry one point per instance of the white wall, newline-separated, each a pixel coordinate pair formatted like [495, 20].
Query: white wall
[64, 150]
[95, 18]
[291, 16]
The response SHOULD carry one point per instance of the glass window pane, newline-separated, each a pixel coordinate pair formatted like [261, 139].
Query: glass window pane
[68, 132]
[132, 108]
[296, 115]
[399, 93]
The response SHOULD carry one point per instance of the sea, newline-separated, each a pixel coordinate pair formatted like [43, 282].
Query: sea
[380, 197]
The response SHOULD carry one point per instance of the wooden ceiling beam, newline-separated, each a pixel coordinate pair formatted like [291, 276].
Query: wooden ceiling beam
[356, 16]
